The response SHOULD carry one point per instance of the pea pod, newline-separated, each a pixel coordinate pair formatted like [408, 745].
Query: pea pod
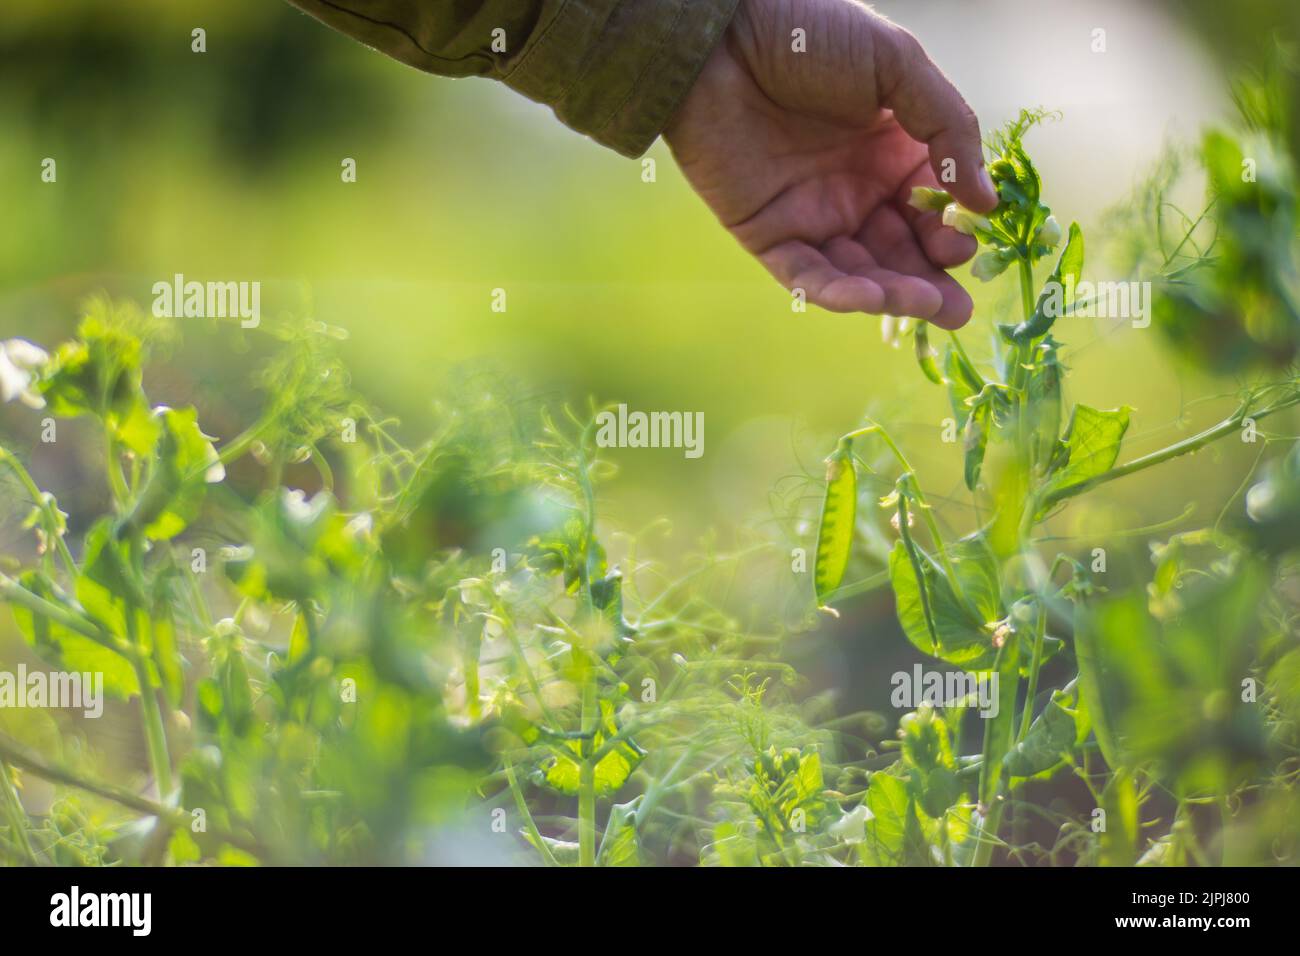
[925, 355]
[835, 532]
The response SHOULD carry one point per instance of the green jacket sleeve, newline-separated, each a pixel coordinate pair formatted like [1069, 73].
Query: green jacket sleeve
[615, 70]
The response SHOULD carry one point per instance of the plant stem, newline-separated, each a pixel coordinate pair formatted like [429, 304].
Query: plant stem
[116, 482]
[988, 830]
[17, 756]
[42, 502]
[154, 734]
[1020, 350]
[524, 812]
[986, 835]
[1040, 629]
[873, 428]
[1184, 447]
[587, 774]
[15, 593]
[14, 811]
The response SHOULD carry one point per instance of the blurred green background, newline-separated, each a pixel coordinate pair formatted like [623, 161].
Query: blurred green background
[225, 165]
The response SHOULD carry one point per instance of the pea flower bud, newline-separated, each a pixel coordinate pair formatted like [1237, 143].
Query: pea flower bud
[964, 221]
[926, 199]
[19, 360]
[1049, 233]
[897, 525]
[892, 329]
[989, 265]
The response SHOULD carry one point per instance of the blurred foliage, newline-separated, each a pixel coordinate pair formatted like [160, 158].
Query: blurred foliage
[1227, 287]
[398, 649]
[383, 645]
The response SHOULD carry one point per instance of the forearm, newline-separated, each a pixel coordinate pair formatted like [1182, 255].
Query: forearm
[615, 70]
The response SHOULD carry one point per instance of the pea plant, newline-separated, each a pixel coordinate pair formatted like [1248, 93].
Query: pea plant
[1172, 698]
[338, 648]
[327, 642]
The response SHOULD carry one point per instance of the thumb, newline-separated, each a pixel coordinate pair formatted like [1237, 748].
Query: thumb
[931, 111]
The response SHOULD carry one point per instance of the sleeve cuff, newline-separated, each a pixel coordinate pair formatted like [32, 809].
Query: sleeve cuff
[617, 72]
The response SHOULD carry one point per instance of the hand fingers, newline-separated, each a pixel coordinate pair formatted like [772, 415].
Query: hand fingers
[944, 246]
[798, 265]
[930, 110]
[888, 238]
[904, 294]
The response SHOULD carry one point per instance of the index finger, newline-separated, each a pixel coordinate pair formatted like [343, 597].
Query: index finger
[931, 111]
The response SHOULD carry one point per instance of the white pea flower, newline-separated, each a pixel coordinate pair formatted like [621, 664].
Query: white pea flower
[989, 265]
[216, 471]
[18, 361]
[925, 199]
[897, 525]
[1049, 233]
[964, 221]
[893, 328]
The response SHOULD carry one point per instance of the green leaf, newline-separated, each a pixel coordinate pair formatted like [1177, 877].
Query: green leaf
[565, 852]
[1051, 647]
[1168, 690]
[166, 656]
[1054, 297]
[562, 769]
[1069, 269]
[1091, 677]
[887, 802]
[99, 374]
[105, 586]
[731, 846]
[964, 383]
[1092, 442]
[1056, 731]
[927, 755]
[808, 781]
[619, 846]
[69, 651]
[961, 633]
[186, 462]
[976, 438]
[135, 428]
[236, 694]
[1044, 394]
[1120, 837]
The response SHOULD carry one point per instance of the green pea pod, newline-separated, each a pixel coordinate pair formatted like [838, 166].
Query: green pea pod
[925, 355]
[1051, 301]
[839, 512]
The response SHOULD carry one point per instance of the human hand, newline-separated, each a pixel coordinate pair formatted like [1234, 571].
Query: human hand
[809, 158]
